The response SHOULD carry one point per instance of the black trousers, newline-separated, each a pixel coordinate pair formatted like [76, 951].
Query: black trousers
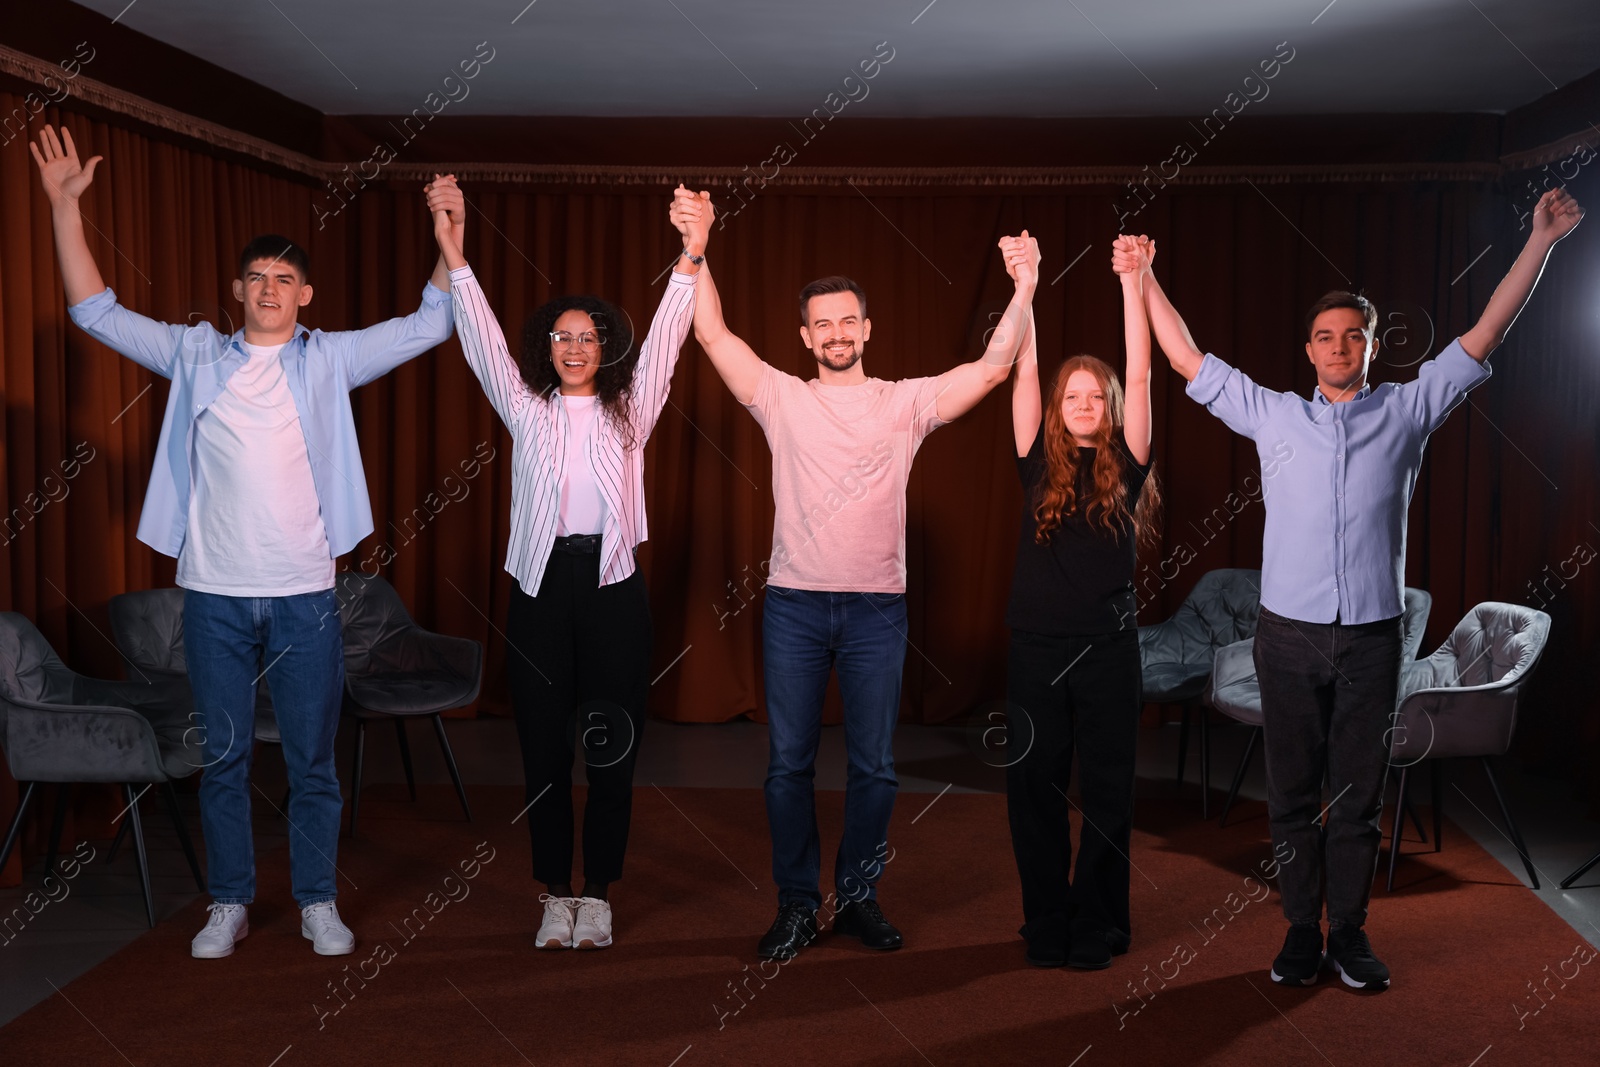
[578, 664]
[1066, 695]
[1328, 700]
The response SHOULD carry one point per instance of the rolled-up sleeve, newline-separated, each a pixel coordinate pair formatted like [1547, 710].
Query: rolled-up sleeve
[149, 343]
[1231, 396]
[1441, 384]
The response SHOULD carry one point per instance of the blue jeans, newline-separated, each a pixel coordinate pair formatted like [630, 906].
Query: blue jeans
[805, 634]
[295, 643]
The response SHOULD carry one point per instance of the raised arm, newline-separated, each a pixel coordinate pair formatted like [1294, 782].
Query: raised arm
[1026, 407]
[1136, 378]
[1555, 216]
[64, 180]
[1171, 333]
[961, 387]
[483, 342]
[658, 357]
[735, 361]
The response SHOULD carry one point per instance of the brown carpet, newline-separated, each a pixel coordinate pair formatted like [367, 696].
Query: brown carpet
[462, 984]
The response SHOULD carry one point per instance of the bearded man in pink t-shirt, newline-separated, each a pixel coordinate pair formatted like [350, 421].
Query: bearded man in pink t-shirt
[842, 445]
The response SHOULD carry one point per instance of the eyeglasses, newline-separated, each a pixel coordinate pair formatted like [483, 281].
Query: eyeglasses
[585, 340]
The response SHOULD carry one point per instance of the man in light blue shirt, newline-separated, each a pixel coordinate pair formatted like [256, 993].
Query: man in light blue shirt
[257, 488]
[1327, 648]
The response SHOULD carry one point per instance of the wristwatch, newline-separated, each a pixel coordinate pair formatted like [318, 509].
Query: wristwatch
[696, 260]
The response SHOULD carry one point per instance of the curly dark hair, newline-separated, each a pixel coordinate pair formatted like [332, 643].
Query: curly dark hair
[613, 381]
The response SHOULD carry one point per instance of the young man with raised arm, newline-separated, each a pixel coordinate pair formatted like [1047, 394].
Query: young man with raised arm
[842, 445]
[1327, 649]
[257, 487]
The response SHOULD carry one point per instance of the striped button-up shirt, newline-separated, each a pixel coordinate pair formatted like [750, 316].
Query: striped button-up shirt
[541, 434]
[1341, 479]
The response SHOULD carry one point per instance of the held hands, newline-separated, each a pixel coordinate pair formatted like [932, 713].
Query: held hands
[1554, 216]
[64, 177]
[1131, 256]
[449, 209]
[691, 214]
[1021, 255]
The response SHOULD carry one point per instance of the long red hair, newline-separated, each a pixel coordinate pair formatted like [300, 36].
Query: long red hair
[1107, 504]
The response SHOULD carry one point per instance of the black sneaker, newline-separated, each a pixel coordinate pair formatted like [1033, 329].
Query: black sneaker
[1047, 940]
[793, 929]
[864, 919]
[1351, 956]
[1090, 951]
[1301, 957]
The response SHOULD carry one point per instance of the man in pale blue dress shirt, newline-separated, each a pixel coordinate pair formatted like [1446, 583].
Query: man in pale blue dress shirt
[1327, 649]
[257, 489]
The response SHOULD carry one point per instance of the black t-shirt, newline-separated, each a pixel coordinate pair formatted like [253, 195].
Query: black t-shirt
[1080, 581]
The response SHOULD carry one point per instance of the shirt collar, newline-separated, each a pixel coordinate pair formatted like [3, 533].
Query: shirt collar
[301, 332]
[1317, 396]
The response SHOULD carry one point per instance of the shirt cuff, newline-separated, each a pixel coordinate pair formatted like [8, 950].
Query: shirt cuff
[1462, 370]
[461, 274]
[92, 307]
[432, 294]
[679, 278]
[1209, 380]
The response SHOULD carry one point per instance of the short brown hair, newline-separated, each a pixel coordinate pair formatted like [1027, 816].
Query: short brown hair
[836, 283]
[1338, 298]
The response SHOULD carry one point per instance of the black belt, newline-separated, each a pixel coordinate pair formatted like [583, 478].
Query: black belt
[579, 544]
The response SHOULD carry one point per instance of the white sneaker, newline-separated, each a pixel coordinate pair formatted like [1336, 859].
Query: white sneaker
[319, 924]
[556, 930]
[591, 928]
[225, 927]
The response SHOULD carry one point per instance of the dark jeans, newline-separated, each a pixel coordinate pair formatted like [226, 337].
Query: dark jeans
[1066, 695]
[804, 635]
[1327, 695]
[578, 663]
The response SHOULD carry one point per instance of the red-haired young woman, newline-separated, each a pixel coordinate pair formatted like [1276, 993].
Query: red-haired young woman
[1073, 672]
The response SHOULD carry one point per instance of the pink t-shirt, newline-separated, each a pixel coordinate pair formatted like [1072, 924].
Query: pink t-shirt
[841, 456]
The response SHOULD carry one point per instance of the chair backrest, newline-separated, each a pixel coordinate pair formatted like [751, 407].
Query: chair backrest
[1413, 622]
[373, 617]
[148, 628]
[29, 668]
[1223, 607]
[1494, 642]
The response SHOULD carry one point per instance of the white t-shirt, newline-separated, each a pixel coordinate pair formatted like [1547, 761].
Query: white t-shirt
[255, 524]
[583, 509]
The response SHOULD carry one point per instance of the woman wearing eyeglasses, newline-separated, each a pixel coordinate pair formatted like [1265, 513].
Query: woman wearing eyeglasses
[580, 403]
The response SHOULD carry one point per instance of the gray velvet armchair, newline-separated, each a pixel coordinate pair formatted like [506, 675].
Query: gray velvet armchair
[395, 670]
[1462, 701]
[1176, 655]
[61, 727]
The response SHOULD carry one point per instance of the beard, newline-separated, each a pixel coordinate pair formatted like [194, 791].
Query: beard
[839, 362]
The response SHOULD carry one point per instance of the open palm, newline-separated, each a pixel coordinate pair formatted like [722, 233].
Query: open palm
[64, 177]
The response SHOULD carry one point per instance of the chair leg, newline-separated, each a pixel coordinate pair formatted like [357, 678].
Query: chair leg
[355, 776]
[139, 853]
[1183, 740]
[1437, 772]
[1205, 760]
[405, 755]
[171, 794]
[1238, 775]
[1573, 877]
[1516, 835]
[450, 761]
[116, 842]
[57, 824]
[22, 809]
[1397, 825]
[1416, 820]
